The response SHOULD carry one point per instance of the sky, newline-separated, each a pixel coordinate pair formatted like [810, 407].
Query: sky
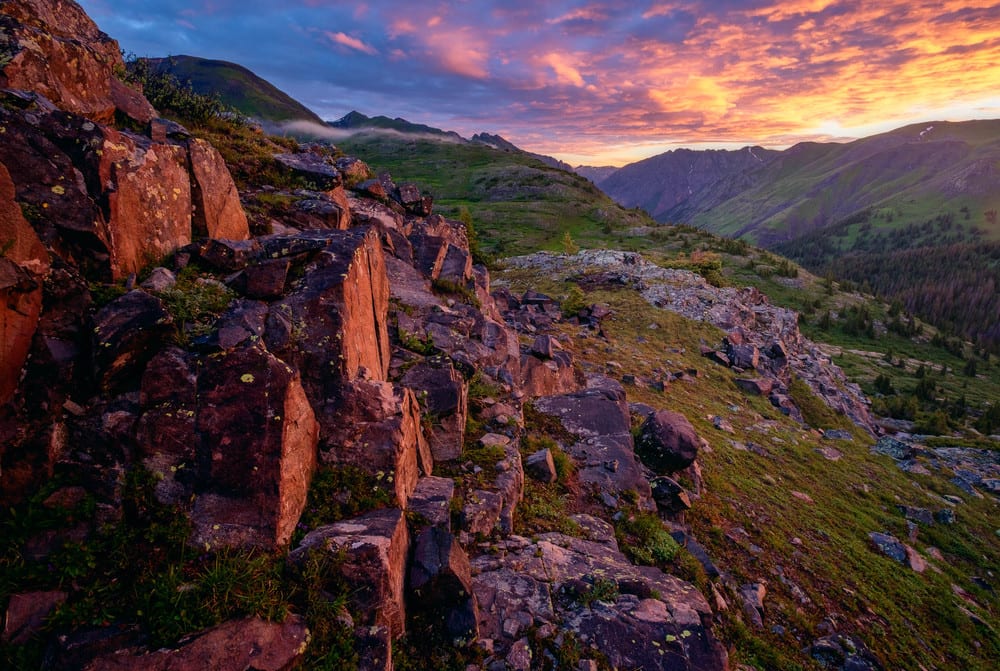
[604, 82]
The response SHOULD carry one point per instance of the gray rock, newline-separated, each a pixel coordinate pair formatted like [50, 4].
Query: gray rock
[945, 516]
[431, 501]
[921, 515]
[670, 497]
[888, 545]
[541, 467]
[891, 447]
[160, 279]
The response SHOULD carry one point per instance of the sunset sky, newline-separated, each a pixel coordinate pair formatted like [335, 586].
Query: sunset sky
[601, 82]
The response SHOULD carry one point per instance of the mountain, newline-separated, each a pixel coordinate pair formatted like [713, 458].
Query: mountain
[663, 184]
[498, 142]
[237, 86]
[596, 174]
[910, 214]
[916, 172]
[354, 120]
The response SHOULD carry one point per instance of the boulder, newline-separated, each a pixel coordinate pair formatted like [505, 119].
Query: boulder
[752, 596]
[604, 452]
[353, 169]
[758, 386]
[540, 466]
[149, 200]
[372, 188]
[160, 279]
[670, 497]
[370, 552]
[316, 169]
[557, 374]
[440, 583]
[840, 652]
[888, 545]
[259, 437]
[217, 211]
[323, 211]
[238, 645]
[443, 394]
[54, 48]
[127, 332]
[667, 442]
[746, 357]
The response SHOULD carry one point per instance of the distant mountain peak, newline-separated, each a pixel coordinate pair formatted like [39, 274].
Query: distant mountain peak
[355, 120]
[501, 143]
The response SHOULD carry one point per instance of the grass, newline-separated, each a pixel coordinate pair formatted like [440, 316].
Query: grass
[195, 302]
[748, 522]
[341, 492]
[140, 570]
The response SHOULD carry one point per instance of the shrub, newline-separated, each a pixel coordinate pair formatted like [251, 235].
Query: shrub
[645, 540]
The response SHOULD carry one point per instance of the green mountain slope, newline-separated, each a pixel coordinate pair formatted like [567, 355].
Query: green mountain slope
[518, 203]
[237, 86]
[917, 173]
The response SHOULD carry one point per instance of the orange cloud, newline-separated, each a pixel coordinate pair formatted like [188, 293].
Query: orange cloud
[564, 68]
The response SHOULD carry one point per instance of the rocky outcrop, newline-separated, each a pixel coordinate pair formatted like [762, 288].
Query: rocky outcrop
[379, 430]
[23, 265]
[53, 47]
[605, 453]
[643, 619]
[259, 435]
[443, 394]
[760, 335]
[333, 328]
[217, 210]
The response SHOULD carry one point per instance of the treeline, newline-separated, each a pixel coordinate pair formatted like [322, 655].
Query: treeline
[857, 234]
[956, 288]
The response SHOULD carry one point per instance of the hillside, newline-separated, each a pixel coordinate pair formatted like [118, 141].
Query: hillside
[915, 173]
[237, 86]
[518, 203]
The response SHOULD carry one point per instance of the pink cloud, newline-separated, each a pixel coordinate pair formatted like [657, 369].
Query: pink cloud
[351, 42]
